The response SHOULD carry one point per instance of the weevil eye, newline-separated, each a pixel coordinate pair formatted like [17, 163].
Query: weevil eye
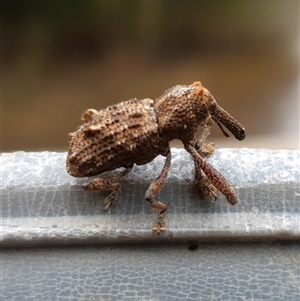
[212, 106]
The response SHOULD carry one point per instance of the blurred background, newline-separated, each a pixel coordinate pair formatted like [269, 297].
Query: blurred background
[60, 58]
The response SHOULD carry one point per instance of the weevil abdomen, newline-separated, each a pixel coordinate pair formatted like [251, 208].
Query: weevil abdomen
[117, 136]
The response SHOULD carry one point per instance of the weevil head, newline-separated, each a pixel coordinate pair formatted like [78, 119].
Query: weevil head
[220, 116]
[181, 109]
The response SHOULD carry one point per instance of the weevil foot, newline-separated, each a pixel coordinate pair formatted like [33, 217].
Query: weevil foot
[160, 223]
[111, 183]
[151, 193]
[206, 150]
[112, 200]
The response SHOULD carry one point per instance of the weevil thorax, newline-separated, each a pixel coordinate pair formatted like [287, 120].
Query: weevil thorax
[182, 109]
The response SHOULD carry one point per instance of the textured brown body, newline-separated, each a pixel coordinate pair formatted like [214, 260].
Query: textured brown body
[118, 136]
[136, 131]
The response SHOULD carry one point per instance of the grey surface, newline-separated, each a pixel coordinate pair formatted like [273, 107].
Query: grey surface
[42, 204]
[153, 272]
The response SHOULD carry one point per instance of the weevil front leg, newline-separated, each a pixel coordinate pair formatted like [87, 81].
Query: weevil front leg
[202, 183]
[215, 177]
[205, 150]
[155, 187]
[110, 183]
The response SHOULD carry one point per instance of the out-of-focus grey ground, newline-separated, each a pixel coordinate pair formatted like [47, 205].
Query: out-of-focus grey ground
[61, 57]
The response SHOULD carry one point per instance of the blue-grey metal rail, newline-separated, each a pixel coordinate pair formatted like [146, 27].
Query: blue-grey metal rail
[41, 204]
[210, 251]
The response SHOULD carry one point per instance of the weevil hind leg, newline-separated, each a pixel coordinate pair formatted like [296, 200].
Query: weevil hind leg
[216, 178]
[111, 183]
[155, 187]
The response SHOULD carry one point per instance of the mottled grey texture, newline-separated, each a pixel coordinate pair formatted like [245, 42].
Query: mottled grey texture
[42, 204]
[153, 272]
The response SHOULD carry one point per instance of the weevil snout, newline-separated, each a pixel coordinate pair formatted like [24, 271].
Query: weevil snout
[220, 116]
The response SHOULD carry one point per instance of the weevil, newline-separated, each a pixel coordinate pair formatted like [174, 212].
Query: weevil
[136, 131]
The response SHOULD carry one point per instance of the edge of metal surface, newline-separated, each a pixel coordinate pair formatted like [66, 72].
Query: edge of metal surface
[42, 205]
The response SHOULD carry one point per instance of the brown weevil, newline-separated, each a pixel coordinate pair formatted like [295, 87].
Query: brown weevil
[136, 131]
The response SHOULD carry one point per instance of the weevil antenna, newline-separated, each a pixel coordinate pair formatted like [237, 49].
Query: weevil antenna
[222, 130]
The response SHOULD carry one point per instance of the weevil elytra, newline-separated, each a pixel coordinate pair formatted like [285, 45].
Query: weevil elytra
[137, 131]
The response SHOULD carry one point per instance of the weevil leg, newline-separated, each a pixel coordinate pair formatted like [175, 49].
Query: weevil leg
[155, 187]
[110, 183]
[205, 150]
[160, 223]
[215, 177]
[203, 184]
